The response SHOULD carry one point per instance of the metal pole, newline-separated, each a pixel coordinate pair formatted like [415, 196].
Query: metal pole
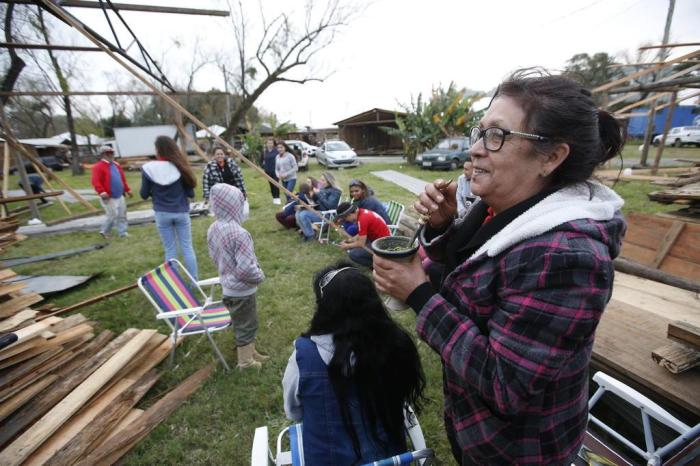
[25, 182]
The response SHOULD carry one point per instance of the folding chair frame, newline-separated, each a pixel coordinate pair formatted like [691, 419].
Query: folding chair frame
[653, 455]
[197, 311]
[395, 222]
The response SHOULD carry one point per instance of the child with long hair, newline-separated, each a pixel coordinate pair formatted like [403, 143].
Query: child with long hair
[352, 375]
[169, 181]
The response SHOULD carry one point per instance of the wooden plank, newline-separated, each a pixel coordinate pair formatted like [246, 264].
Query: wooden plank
[631, 267]
[11, 405]
[21, 347]
[27, 333]
[656, 298]
[89, 301]
[9, 376]
[7, 288]
[685, 332]
[13, 306]
[675, 357]
[6, 273]
[86, 417]
[7, 200]
[666, 243]
[18, 451]
[16, 320]
[46, 368]
[93, 423]
[41, 404]
[624, 339]
[149, 419]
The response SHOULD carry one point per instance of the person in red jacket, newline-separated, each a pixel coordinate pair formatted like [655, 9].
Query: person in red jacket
[370, 226]
[110, 184]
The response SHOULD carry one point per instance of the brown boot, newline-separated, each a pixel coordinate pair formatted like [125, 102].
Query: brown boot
[260, 357]
[245, 357]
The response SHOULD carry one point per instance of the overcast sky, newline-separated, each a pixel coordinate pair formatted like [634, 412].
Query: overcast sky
[395, 49]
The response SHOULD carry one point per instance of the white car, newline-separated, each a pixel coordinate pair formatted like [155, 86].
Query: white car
[336, 154]
[306, 148]
[680, 136]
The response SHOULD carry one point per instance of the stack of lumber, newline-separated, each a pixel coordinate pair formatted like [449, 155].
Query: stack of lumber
[682, 353]
[634, 324]
[688, 195]
[672, 246]
[68, 394]
[8, 232]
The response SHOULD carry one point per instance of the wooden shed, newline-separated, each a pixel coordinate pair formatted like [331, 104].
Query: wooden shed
[364, 134]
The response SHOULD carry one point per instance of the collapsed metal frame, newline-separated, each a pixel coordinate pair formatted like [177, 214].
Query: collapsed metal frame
[665, 87]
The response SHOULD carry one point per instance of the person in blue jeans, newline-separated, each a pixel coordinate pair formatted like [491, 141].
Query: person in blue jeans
[352, 374]
[286, 167]
[170, 183]
[325, 198]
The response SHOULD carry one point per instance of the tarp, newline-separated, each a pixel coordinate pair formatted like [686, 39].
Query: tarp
[49, 284]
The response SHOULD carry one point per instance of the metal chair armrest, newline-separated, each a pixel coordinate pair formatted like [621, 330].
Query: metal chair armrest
[178, 313]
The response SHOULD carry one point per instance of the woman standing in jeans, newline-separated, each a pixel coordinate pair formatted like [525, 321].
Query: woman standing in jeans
[169, 181]
[286, 167]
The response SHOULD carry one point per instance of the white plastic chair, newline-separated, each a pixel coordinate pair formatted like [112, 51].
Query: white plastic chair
[262, 456]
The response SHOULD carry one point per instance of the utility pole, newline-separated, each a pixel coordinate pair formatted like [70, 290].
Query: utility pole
[663, 52]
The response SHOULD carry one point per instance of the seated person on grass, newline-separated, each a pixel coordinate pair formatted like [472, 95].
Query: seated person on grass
[363, 197]
[370, 226]
[287, 216]
[352, 374]
[326, 198]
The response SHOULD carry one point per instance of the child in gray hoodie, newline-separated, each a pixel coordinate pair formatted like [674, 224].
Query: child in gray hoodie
[231, 249]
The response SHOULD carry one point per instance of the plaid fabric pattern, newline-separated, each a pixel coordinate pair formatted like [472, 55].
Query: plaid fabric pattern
[515, 334]
[212, 175]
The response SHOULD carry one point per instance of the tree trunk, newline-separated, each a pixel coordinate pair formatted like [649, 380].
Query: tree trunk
[245, 105]
[75, 166]
[16, 63]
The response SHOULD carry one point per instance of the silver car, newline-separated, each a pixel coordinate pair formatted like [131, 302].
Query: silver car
[337, 154]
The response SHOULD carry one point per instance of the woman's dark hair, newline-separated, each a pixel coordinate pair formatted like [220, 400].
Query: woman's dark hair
[562, 110]
[286, 147]
[215, 148]
[368, 192]
[305, 188]
[373, 354]
[167, 148]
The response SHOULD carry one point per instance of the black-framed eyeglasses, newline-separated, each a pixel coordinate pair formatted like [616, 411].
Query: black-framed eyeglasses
[495, 137]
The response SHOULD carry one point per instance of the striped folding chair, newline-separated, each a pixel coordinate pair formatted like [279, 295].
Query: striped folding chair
[180, 301]
[394, 210]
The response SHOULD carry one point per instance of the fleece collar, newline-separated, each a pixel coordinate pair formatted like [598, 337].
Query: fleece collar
[162, 172]
[583, 200]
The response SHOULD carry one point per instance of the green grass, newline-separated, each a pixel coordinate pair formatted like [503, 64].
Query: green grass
[216, 426]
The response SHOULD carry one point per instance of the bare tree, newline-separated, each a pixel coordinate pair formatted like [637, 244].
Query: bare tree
[76, 168]
[282, 49]
[16, 62]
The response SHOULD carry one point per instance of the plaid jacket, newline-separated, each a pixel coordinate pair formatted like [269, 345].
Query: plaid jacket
[514, 326]
[212, 175]
[230, 245]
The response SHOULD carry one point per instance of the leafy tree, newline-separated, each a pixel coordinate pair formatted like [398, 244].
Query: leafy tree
[447, 113]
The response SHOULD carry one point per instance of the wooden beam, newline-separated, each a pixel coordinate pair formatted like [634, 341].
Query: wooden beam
[89, 301]
[659, 86]
[98, 93]
[637, 74]
[132, 7]
[676, 358]
[685, 333]
[667, 242]
[662, 142]
[8, 200]
[680, 44]
[635, 268]
[19, 450]
[73, 48]
[651, 63]
[150, 418]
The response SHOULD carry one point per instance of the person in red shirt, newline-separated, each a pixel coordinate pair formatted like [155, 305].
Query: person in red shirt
[370, 226]
[110, 184]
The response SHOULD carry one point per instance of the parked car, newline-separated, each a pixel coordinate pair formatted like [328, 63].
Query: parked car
[306, 148]
[300, 154]
[336, 154]
[449, 153]
[680, 136]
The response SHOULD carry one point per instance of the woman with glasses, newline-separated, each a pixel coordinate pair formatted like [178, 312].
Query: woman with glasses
[527, 273]
[352, 374]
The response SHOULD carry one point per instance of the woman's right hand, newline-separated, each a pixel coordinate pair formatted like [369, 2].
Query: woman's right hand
[437, 205]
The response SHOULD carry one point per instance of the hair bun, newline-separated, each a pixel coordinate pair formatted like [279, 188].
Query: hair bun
[611, 135]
